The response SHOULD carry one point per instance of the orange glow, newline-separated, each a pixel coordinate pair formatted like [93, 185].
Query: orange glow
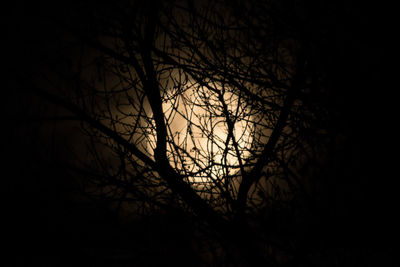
[198, 132]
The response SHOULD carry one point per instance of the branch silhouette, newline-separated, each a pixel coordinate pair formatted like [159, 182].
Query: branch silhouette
[213, 109]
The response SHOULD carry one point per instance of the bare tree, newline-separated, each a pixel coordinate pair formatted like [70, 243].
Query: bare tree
[213, 109]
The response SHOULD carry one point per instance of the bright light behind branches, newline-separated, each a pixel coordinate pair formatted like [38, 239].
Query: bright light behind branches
[199, 143]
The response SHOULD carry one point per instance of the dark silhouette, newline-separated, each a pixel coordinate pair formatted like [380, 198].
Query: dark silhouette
[214, 132]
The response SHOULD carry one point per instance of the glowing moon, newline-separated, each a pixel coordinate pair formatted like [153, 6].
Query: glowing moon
[199, 141]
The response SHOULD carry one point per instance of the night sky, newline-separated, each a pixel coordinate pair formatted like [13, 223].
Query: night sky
[47, 225]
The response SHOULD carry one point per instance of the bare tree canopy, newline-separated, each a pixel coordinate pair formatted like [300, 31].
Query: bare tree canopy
[227, 116]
